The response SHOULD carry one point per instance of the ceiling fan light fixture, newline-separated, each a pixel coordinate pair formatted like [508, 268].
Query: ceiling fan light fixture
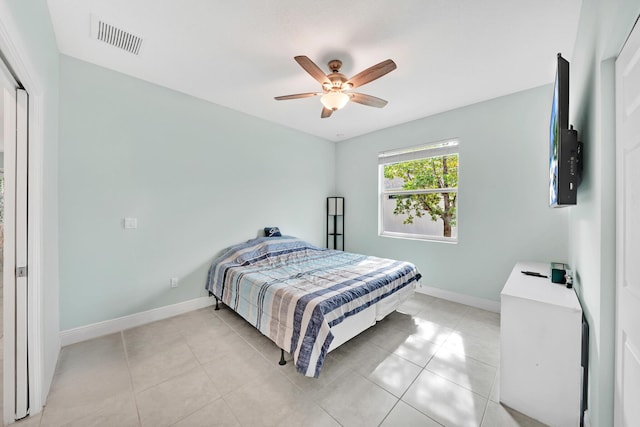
[335, 84]
[334, 100]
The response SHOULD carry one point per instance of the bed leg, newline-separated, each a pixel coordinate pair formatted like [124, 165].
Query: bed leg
[217, 306]
[282, 361]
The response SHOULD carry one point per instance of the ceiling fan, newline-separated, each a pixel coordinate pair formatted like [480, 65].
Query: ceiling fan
[335, 85]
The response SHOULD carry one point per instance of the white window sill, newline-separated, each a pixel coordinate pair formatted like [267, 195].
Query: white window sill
[450, 240]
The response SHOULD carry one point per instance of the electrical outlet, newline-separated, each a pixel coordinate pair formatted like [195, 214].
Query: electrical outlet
[130, 223]
[173, 282]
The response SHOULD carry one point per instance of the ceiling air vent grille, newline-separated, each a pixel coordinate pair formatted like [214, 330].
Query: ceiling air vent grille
[118, 38]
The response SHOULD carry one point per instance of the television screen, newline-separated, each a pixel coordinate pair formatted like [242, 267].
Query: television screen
[553, 149]
[559, 123]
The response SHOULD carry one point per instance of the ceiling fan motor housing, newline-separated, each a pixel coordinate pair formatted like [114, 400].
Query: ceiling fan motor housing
[338, 82]
[335, 65]
[336, 78]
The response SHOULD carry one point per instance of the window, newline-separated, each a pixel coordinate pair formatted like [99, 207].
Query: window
[419, 192]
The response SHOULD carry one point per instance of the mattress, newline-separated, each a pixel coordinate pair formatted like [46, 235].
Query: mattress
[295, 293]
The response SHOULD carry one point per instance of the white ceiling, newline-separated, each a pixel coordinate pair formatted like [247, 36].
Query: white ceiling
[239, 54]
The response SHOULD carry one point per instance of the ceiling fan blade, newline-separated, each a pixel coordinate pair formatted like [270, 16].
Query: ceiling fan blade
[311, 68]
[372, 73]
[368, 100]
[297, 96]
[325, 113]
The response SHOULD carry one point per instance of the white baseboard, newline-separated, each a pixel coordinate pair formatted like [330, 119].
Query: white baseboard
[84, 333]
[484, 304]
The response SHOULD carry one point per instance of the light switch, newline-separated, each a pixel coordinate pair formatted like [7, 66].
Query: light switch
[130, 223]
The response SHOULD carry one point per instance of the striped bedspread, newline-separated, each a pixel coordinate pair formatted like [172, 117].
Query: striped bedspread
[294, 292]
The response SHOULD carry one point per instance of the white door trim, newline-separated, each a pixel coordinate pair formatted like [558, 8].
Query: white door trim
[627, 329]
[16, 55]
[21, 254]
[9, 279]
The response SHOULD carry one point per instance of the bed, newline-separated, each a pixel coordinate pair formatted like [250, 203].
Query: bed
[308, 300]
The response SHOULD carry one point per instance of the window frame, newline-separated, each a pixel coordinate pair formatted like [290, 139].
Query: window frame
[434, 149]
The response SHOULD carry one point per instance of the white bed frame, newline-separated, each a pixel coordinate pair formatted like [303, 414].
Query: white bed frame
[354, 325]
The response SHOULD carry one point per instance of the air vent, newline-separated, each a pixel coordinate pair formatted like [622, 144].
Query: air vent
[116, 37]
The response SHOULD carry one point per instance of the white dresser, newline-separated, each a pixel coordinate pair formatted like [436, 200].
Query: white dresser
[540, 347]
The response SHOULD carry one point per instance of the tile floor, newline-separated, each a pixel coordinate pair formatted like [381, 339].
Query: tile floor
[431, 363]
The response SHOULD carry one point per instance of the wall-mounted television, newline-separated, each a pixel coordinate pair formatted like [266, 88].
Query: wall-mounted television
[564, 150]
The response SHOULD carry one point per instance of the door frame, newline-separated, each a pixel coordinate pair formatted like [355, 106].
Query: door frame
[621, 318]
[15, 55]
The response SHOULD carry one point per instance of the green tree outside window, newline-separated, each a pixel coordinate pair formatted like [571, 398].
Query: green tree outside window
[437, 173]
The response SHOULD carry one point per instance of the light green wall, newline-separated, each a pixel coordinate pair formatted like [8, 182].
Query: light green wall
[34, 37]
[603, 29]
[503, 193]
[198, 177]
[153, 153]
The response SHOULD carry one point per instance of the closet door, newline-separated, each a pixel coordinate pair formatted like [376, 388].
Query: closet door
[15, 142]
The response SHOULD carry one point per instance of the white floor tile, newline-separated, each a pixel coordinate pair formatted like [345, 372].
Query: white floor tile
[393, 373]
[84, 407]
[495, 390]
[198, 322]
[146, 339]
[332, 369]
[479, 347]
[121, 412]
[423, 327]
[355, 401]
[175, 399]
[171, 361]
[406, 416]
[416, 367]
[498, 415]
[446, 402]
[406, 345]
[449, 306]
[415, 304]
[31, 421]
[464, 371]
[275, 401]
[215, 414]
[97, 360]
[213, 347]
[232, 372]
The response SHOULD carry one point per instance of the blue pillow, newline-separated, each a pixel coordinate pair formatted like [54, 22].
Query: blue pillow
[272, 232]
